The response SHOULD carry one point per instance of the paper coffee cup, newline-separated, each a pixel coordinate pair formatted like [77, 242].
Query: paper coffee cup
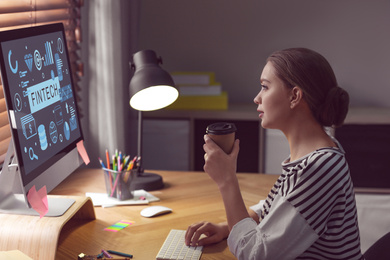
[223, 134]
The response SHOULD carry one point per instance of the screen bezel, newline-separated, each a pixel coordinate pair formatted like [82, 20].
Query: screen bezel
[20, 34]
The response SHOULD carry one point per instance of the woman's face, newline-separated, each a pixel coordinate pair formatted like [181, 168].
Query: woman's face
[273, 100]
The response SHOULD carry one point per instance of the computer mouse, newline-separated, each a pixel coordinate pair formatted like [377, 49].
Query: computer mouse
[153, 211]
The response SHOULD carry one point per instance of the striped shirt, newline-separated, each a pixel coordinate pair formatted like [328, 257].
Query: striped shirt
[310, 213]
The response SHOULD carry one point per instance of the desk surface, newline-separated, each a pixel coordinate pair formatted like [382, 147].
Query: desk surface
[193, 196]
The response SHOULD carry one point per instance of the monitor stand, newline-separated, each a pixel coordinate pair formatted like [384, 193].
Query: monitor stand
[16, 205]
[38, 237]
[22, 229]
[13, 199]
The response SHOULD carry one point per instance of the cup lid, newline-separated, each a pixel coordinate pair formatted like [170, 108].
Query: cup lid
[221, 128]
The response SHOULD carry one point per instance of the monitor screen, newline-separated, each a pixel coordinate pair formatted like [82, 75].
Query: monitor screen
[40, 97]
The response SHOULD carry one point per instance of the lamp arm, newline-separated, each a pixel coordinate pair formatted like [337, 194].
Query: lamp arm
[140, 130]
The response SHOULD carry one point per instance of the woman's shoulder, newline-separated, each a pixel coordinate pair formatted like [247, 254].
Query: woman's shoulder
[314, 158]
[318, 166]
[326, 153]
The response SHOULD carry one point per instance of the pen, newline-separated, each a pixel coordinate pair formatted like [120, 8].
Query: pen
[116, 183]
[138, 161]
[108, 159]
[106, 258]
[116, 154]
[126, 258]
[101, 162]
[106, 254]
[108, 167]
[83, 256]
[131, 164]
[114, 162]
[119, 253]
[126, 161]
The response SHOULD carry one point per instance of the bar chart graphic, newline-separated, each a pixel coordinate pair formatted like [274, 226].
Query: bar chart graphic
[49, 55]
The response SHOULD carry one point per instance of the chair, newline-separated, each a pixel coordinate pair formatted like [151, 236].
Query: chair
[380, 249]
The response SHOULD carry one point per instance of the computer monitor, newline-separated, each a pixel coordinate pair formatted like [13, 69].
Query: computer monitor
[43, 116]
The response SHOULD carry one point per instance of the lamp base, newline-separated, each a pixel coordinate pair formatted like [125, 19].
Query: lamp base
[148, 181]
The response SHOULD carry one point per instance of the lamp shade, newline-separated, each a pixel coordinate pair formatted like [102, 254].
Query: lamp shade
[151, 87]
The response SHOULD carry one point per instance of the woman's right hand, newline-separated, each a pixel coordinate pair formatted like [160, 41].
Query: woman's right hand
[221, 167]
[213, 233]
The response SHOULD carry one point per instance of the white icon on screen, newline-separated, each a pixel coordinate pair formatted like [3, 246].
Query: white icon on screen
[31, 154]
[13, 69]
[72, 123]
[28, 126]
[37, 60]
[53, 132]
[66, 130]
[49, 55]
[59, 66]
[18, 102]
[42, 137]
[60, 45]
[58, 115]
[29, 61]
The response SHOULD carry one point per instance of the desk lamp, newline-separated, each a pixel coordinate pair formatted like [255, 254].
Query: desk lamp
[151, 88]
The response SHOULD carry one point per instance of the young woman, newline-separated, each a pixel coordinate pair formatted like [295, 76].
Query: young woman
[310, 213]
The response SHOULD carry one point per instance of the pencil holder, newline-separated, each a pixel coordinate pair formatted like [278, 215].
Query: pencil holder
[119, 184]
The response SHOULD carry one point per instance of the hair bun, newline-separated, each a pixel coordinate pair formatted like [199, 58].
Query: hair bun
[335, 108]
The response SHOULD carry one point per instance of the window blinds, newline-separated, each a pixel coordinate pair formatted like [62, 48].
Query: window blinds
[24, 13]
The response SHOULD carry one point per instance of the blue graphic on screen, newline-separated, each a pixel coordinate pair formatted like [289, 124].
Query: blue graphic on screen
[49, 54]
[29, 61]
[43, 100]
[13, 69]
[59, 66]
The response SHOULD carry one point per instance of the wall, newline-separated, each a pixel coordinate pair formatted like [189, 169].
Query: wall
[122, 132]
[234, 38]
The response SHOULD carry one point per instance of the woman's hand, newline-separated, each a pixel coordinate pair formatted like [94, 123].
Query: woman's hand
[213, 233]
[219, 165]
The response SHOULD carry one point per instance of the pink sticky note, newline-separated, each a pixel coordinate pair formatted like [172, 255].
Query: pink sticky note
[38, 200]
[82, 152]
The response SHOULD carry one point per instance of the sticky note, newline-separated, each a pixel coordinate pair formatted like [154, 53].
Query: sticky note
[38, 200]
[14, 255]
[83, 152]
[119, 225]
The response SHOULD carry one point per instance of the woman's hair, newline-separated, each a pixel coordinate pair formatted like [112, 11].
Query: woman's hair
[311, 72]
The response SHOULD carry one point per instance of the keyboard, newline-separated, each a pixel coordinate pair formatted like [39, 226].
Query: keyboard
[174, 248]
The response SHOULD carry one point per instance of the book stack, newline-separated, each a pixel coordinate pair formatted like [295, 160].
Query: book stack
[198, 90]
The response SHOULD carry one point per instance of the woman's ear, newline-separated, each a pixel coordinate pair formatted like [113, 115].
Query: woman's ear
[296, 96]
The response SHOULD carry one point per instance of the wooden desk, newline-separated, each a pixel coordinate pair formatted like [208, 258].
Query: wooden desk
[193, 196]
